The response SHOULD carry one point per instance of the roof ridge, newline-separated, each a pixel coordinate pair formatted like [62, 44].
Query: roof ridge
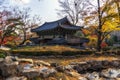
[59, 20]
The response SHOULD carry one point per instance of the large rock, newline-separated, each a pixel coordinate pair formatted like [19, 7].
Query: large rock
[31, 73]
[28, 66]
[76, 75]
[25, 60]
[82, 68]
[1, 60]
[94, 66]
[15, 58]
[92, 76]
[39, 72]
[73, 74]
[54, 64]
[9, 69]
[22, 67]
[69, 67]
[4, 48]
[46, 72]
[115, 64]
[106, 63]
[60, 68]
[39, 62]
[79, 69]
[110, 73]
[8, 59]
[118, 76]
[82, 78]
[17, 78]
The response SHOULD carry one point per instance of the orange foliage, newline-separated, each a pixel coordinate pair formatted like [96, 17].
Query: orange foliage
[3, 42]
[9, 39]
[86, 32]
[93, 36]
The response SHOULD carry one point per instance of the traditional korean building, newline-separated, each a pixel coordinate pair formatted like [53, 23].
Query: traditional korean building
[57, 29]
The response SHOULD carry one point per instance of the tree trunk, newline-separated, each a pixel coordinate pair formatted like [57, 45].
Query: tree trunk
[118, 8]
[24, 39]
[1, 43]
[99, 41]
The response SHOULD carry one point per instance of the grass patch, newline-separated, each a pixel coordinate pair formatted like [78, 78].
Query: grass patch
[50, 50]
[111, 48]
[46, 48]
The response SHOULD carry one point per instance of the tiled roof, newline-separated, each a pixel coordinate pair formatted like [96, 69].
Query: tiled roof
[59, 23]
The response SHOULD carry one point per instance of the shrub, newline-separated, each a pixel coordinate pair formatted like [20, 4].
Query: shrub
[10, 44]
[2, 55]
[50, 50]
[49, 53]
[111, 48]
[103, 45]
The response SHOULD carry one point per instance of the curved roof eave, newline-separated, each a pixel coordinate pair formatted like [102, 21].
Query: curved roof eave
[73, 27]
[55, 24]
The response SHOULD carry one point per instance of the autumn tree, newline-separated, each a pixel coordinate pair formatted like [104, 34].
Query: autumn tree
[28, 20]
[104, 20]
[117, 2]
[73, 9]
[8, 25]
[108, 21]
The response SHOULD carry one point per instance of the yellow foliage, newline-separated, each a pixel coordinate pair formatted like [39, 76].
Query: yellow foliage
[93, 41]
[110, 26]
[113, 9]
[111, 22]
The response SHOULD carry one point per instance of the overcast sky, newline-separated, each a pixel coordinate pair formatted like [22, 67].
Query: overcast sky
[45, 8]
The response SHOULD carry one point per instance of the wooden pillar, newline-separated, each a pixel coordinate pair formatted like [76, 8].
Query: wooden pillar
[42, 36]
